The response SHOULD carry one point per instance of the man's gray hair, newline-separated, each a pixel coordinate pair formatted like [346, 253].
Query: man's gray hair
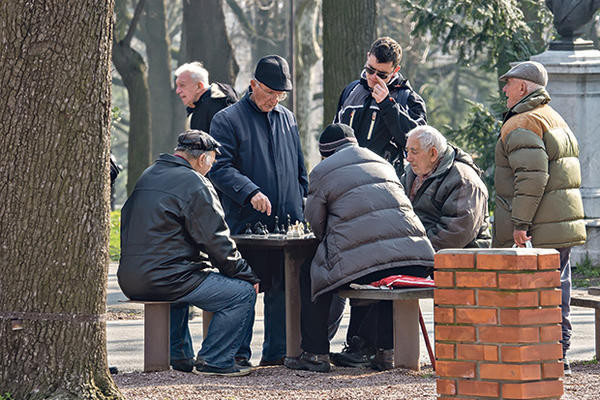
[532, 86]
[192, 153]
[196, 70]
[429, 137]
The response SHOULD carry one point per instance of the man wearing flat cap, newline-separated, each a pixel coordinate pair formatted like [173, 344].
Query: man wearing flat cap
[172, 230]
[261, 175]
[537, 177]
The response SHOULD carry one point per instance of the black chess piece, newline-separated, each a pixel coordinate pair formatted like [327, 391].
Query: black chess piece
[248, 230]
[257, 228]
[283, 231]
[306, 228]
[276, 230]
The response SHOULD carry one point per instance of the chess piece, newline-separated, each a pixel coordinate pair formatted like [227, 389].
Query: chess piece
[258, 228]
[307, 228]
[282, 229]
[248, 230]
[276, 230]
[289, 222]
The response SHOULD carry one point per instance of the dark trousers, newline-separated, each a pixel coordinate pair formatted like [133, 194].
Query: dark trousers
[314, 316]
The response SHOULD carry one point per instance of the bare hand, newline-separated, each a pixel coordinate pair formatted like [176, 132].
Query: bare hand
[261, 203]
[380, 91]
[520, 237]
[256, 286]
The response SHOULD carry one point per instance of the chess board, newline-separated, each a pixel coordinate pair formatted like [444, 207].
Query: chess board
[274, 236]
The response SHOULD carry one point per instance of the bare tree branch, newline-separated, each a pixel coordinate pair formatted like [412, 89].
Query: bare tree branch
[136, 17]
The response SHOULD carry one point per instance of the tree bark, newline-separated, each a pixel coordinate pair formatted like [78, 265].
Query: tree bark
[348, 31]
[54, 198]
[162, 97]
[207, 40]
[131, 67]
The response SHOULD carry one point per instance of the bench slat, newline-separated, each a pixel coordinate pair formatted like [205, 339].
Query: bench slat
[384, 294]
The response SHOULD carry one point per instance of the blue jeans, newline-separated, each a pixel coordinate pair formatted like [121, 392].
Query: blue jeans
[181, 340]
[274, 313]
[565, 285]
[230, 331]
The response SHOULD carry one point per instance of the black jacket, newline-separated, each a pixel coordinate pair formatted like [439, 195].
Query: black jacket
[217, 97]
[172, 228]
[382, 127]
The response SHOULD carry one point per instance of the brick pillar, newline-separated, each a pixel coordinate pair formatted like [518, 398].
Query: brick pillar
[497, 324]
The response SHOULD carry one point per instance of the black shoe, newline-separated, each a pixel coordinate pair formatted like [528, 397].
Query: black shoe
[243, 362]
[183, 365]
[113, 370]
[309, 362]
[567, 367]
[236, 370]
[355, 354]
[383, 360]
[270, 363]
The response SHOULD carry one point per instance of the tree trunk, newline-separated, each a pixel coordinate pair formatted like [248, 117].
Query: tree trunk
[159, 78]
[207, 40]
[131, 67]
[54, 198]
[348, 31]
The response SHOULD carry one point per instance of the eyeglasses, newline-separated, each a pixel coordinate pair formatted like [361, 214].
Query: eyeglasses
[280, 96]
[383, 75]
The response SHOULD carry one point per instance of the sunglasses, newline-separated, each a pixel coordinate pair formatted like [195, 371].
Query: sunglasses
[382, 75]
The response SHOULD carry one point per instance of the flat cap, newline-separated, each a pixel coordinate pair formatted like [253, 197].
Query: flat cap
[531, 71]
[193, 139]
[274, 72]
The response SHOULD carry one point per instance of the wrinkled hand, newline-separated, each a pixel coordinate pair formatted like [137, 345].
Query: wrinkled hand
[261, 203]
[380, 91]
[520, 237]
[256, 287]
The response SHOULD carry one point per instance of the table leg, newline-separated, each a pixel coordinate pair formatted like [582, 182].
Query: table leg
[406, 334]
[293, 261]
[156, 336]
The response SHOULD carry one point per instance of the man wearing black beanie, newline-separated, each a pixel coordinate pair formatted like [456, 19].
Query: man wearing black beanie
[367, 229]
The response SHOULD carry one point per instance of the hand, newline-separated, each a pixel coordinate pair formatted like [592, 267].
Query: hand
[520, 237]
[380, 91]
[261, 203]
[256, 286]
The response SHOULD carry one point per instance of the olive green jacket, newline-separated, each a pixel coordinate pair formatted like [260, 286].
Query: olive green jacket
[537, 177]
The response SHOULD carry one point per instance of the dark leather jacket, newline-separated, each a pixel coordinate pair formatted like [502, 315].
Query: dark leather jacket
[172, 228]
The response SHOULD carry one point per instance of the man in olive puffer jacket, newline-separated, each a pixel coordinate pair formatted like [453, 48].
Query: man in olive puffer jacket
[537, 177]
[357, 208]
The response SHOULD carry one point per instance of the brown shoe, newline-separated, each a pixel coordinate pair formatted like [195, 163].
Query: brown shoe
[383, 360]
[270, 363]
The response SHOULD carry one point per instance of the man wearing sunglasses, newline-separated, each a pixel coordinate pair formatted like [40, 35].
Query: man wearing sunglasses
[381, 106]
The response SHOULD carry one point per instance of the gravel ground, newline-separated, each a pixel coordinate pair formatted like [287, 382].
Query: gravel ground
[341, 383]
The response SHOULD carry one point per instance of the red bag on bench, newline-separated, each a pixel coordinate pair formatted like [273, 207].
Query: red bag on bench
[403, 281]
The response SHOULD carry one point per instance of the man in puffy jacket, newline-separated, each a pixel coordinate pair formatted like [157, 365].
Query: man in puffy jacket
[446, 191]
[172, 230]
[537, 177]
[367, 230]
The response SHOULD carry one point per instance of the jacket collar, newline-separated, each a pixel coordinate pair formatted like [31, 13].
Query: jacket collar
[247, 99]
[532, 100]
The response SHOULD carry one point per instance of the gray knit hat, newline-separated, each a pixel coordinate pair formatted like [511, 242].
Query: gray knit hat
[531, 71]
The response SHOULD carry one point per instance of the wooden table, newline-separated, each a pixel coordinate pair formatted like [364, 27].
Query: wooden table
[296, 250]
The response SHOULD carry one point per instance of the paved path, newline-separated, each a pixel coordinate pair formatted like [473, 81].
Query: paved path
[125, 337]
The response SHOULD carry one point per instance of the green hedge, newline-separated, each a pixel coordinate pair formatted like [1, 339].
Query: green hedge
[115, 235]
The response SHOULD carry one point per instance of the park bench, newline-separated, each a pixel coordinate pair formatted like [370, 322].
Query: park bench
[591, 300]
[407, 319]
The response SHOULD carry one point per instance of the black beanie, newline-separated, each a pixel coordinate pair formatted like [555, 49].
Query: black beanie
[334, 136]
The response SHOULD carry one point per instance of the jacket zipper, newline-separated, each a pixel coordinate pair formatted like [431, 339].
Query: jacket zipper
[373, 116]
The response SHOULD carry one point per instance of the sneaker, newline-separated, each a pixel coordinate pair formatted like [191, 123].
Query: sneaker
[383, 360]
[309, 362]
[183, 365]
[270, 363]
[566, 367]
[236, 370]
[243, 362]
[355, 354]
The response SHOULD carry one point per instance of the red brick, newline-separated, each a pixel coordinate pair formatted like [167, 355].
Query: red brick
[508, 334]
[444, 350]
[446, 386]
[476, 316]
[552, 370]
[511, 372]
[532, 280]
[444, 278]
[459, 369]
[532, 390]
[476, 279]
[477, 352]
[454, 296]
[507, 299]
[552, 297]
[530, 316]
[478, 388]
[454, 261]
[535, 352]
[456, 333]
[550, 333]
[443, 315]
[507, 262]
[549, 261]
